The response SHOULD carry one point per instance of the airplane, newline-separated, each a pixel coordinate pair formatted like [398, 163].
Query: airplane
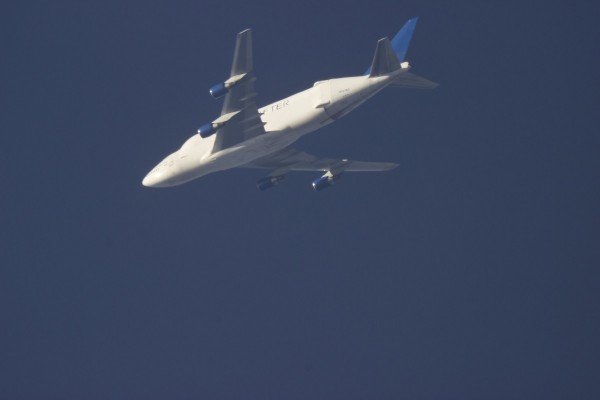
[251, 137]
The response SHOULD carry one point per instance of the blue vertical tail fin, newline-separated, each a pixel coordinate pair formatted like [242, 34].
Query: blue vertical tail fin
[400, 42]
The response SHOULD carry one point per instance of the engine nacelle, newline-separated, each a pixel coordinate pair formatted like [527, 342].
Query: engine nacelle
[269, 181]
[325, 181]
[218, 90]
[207, 130]
[221, 89]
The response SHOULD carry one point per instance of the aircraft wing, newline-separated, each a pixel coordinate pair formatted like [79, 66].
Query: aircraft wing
[239, 107]
[293, 160]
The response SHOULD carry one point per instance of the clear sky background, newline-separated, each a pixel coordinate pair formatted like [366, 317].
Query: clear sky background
[469, 272]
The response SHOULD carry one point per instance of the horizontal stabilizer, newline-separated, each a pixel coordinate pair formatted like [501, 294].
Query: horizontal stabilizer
[408, 80]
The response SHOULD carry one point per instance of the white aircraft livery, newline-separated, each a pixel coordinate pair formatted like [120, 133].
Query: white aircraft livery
[251, 137]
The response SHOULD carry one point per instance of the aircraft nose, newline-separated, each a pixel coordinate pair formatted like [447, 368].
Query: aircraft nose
[165, 174]
[150, 180]
[156, 178]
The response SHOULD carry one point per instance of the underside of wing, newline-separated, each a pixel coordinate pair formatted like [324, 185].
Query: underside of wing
[294, 160]
[240, 99]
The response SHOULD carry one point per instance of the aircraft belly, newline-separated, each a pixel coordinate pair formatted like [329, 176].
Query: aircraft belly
[284, 124]
[246, 152]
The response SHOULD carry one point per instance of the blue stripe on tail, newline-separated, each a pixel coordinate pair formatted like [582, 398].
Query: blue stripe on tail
[401, 41]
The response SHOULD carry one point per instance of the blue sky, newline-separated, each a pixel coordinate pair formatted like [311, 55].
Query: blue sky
[468, 272]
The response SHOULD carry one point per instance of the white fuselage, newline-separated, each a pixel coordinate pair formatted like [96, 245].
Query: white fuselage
[285, 121]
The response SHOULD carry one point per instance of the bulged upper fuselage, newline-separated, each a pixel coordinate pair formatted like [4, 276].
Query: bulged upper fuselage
[247, 136]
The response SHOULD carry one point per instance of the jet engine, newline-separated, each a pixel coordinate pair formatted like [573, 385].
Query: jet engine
[269, 181]
[325, 181]
[207, 130]
[218, 90]
[221, 89]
